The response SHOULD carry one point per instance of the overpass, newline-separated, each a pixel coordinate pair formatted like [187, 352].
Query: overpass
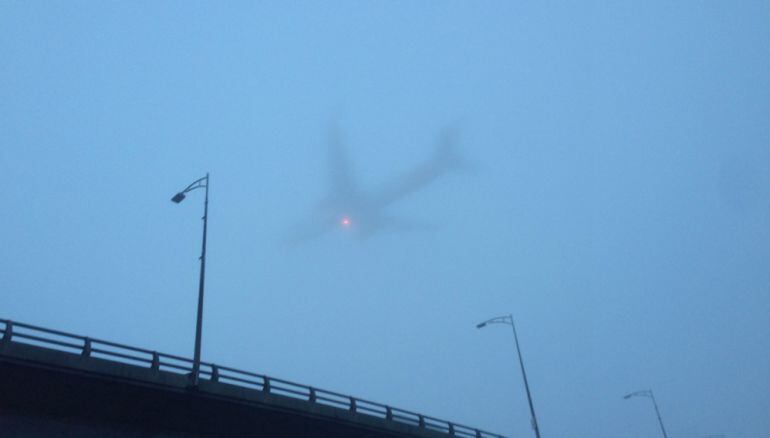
[54, 383]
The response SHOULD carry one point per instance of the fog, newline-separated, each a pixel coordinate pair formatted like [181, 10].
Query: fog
[614, 196]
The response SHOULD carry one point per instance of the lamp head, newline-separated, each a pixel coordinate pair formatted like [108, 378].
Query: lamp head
[178, 197]
[478, 326]
[644, 393]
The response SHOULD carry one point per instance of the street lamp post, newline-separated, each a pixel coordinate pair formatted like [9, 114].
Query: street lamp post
[648, 393]
[508, 319]
[198, 184]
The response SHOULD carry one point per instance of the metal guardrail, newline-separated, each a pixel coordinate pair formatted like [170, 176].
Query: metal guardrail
[90, 347]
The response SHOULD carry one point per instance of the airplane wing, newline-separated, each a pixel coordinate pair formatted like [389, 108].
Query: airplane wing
[342, 189]
[444, 160]
[342, 180]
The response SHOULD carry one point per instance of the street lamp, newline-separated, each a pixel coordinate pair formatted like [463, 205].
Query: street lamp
[179, 197]
[508, 319]
[648, 393]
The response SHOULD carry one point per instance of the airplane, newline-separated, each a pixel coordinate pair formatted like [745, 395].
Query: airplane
[350, 209]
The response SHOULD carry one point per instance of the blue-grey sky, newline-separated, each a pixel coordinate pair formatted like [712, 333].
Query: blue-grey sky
[618, 206]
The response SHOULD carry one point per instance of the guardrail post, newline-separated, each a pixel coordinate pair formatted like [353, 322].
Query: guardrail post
[451, 429]
[352, 404]
[422, 421]
[312, 396]
[266, 384]
[155, 366]
[214, 373]
[8, 334]
[478, 433]
[86, 347]
[388, 413]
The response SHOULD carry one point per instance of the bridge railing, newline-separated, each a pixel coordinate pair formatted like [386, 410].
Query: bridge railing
[13, 331]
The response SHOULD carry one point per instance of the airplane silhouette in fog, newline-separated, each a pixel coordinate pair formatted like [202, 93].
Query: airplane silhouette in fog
[363, 213]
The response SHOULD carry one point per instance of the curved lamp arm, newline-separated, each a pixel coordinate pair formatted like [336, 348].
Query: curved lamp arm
[506, 319]
[642, 393]
[197, 184]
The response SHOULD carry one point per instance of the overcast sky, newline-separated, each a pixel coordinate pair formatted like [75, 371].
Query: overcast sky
[617, 201]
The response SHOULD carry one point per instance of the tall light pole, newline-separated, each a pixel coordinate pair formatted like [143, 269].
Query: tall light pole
[648, 393]
[508, 319]
[179, 197]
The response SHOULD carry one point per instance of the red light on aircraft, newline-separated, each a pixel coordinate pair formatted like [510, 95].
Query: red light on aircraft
[345, 222]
